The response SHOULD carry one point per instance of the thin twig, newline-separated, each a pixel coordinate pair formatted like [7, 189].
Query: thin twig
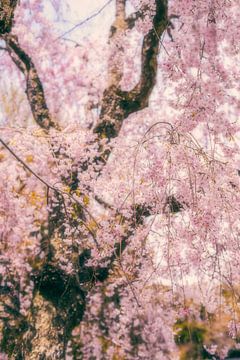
[27, 167]
[85, 20]
[49, 186]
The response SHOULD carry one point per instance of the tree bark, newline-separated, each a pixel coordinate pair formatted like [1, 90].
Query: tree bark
[59, 299]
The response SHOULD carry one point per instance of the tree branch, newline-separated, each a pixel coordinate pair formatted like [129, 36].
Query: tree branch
[120, 9]
[118, 104]
[85, 20]
[139, 14]
[139, 95]
[7, 8]
[34, 88]
[49, 186]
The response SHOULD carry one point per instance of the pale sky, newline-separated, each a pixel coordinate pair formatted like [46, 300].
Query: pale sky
[77, 11]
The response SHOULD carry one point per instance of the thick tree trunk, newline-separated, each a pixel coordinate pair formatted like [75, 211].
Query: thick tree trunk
[49, 336]
[59, 298]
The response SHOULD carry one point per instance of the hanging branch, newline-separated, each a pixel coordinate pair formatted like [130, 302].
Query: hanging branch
[48, 186]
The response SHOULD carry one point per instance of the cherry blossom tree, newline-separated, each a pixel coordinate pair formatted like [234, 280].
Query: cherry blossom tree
[119, 168]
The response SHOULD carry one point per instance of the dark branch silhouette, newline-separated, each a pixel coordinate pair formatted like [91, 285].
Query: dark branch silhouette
[7, 8]
[117, 104]
[34, 88]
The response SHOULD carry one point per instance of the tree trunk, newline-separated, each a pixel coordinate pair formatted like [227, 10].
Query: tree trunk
[49, 340]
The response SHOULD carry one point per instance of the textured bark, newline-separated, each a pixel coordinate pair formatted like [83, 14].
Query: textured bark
[117, 104]
[34, 88]
[7, 8]
[58, 306]
[59, 298]
[47, 340]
